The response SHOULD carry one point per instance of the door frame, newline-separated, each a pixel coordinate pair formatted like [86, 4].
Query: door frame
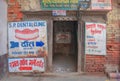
[80, 40]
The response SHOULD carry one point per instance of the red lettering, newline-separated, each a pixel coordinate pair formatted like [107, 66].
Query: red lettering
[90, 26]
[101, 26]
[93, 32]
[14, 64]
[91, 40]
[25, 68]
[23, 62]
[32, 62]
[40, 64]
[36, 63]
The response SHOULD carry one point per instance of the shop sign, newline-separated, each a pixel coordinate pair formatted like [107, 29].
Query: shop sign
[59, 12]
[84, 4]
[26, 64]
[101, 5]
[63, 37]
[59, 4]
[95, 38]
[27, 38]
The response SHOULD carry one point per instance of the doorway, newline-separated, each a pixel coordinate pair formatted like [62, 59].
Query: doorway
[65, 46]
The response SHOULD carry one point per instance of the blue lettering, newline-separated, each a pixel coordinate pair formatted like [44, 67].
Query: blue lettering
[31, 52]
[16, 52]
[27, 44]
[90, 37]
[25, 52]
[39, 44]
[27, 24]
[10, 25]
[41, 23]
[14, 44]
[14, 24]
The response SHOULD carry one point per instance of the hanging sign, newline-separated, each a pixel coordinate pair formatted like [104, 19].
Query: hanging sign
[95, 38]
[27, 38]
[59, 4]
[84, 4]
[59, 12]
[101, 5]
[26, 64]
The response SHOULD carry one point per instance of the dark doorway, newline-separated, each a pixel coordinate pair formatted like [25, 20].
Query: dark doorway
[65, 47]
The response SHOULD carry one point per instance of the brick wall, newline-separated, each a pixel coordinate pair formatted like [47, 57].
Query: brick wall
[14, 10]
[93, 63]
[112, 59]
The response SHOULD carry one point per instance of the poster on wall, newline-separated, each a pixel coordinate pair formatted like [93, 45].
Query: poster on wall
[26, 64]
[59, 4]
[95, 38]
[63, 37]
[27, 38]
[101, 4]
[59, 12]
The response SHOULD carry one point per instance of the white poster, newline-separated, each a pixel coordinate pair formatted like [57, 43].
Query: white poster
[59, 12]
[26, 64]
[27, 38]
[101, 4]
[95, 38]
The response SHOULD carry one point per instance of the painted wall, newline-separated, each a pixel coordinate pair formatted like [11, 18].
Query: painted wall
[3, 27]
[3, 38]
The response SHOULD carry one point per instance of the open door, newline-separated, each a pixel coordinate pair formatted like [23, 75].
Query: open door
[65, 51]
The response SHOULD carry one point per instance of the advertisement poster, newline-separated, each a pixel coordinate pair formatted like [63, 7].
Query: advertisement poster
[26, 64]
[101, 4]
[27, 38]
[95, 38]
[59, 12]
[63, 37]
[59, 4]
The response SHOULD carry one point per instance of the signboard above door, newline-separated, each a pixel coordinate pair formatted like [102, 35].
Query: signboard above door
[75, 4]
[59, 4]
[101, 5]
[84, 4]
[59, 12]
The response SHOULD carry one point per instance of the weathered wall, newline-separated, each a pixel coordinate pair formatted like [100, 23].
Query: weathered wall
[3, 38]
[3, 27]
[93, 63]
[14, 10]
[3, 66]
[113, 35]
[112, 59]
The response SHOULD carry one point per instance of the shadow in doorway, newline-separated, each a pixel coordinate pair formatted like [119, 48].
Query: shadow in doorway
[65, 46]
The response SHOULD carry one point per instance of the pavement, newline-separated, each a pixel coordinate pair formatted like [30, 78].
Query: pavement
[62, 77]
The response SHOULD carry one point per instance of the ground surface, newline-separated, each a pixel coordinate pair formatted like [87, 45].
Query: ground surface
[58, 78]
